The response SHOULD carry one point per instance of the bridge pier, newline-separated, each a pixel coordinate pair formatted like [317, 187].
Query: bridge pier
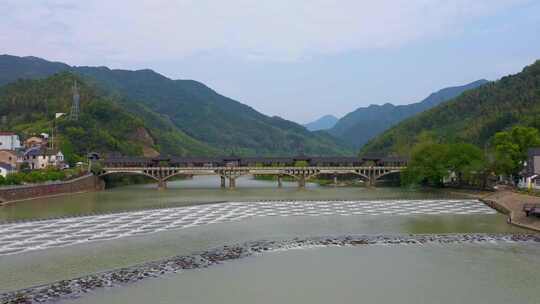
[162, 184]
[280, 181]
[335, 180]
[301, 181]
[222, 178]
[232, 182]
[371, 181]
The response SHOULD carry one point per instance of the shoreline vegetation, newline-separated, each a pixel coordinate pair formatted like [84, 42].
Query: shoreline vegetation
[77, 287]
[39, 177]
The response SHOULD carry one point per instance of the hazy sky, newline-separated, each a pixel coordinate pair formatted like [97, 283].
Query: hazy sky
[296, 59]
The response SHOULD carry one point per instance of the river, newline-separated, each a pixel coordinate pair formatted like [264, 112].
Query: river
[472, 273]
[195, 191]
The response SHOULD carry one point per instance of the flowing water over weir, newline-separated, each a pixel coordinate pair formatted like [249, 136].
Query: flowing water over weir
[378, 245]
[28, 236]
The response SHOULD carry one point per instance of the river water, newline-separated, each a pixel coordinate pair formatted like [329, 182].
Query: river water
[409, 275]
[465, 273]
[198, 190]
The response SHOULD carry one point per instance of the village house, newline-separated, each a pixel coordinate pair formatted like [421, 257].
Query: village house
[12, 157]
[9, 141]
[41, 158]
[530, 178]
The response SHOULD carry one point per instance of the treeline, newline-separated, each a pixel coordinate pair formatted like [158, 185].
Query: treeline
[436, 164]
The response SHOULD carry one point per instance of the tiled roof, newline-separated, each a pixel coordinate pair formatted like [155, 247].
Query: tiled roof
[37, 151]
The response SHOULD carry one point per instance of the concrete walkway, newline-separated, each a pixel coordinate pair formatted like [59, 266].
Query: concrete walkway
[511, 203]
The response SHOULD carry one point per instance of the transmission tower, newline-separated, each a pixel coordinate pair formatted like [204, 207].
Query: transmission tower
[74, 115]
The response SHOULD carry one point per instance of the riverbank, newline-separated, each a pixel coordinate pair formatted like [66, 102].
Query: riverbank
[86, 183]
[511, 203]
[79, 286]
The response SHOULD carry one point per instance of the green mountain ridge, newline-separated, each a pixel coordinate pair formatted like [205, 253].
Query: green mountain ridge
[104, 126]
[365, 123]
[473, 117]
[194, 109]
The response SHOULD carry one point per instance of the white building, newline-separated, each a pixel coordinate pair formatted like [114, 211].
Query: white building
[41, 158]
[530, 178]
[9, 141]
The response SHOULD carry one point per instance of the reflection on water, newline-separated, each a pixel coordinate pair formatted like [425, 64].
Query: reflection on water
[200, 189]
[399, 274]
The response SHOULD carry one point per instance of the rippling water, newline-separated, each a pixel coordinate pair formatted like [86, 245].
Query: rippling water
[401, 274]
[275, 277]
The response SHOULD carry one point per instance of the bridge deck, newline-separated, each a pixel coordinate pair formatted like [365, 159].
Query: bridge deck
[161, 174]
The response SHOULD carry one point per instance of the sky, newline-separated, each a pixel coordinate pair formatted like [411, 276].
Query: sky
[296, 59]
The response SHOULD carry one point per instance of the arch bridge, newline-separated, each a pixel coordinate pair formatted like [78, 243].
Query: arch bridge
[303, 168]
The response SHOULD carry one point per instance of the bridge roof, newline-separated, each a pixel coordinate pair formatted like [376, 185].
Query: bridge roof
[256, 159]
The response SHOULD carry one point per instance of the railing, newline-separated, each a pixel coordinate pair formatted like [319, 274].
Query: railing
[253, 168]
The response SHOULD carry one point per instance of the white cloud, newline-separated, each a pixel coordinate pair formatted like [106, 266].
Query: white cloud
[124, 31]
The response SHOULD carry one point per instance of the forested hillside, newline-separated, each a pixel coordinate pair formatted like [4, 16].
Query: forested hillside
[473, 117]
[105, 125]
[196, 110]
[363, 124]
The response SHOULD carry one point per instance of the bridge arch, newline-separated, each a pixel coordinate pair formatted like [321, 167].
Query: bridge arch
[387, 173]
[130, 173]
[365, 177]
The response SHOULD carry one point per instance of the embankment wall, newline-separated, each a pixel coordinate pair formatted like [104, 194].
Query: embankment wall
[25, 192]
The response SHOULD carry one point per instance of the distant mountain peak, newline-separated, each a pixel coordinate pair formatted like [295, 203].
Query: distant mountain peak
[324, 123]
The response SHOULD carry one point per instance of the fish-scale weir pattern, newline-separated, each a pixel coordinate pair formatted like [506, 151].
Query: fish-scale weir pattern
[38, 235]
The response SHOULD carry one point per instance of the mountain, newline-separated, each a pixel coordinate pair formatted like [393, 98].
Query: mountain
[324, 123]
[13, 68]
[361, 125]
[473, 117]
[105, 125]
[199, 112]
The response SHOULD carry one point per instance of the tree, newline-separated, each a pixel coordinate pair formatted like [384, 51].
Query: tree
[511, 148]
[97, 167]
[432, 162]
[301, 163]
[465, 160]
[428, 165]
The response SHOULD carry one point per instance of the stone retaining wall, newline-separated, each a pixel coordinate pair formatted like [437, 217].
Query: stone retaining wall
[25, 192]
